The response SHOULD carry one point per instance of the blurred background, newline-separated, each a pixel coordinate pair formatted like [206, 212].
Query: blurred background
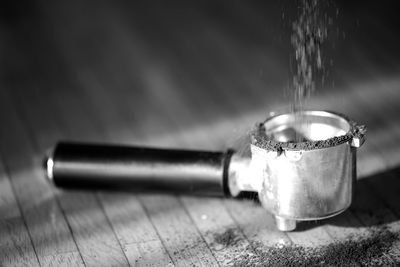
[195, 74]
[167, 67]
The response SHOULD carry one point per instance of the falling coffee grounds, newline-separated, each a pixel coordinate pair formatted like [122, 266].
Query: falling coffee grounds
[309, 31]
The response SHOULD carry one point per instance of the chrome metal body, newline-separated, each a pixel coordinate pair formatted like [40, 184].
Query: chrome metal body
[307, 183]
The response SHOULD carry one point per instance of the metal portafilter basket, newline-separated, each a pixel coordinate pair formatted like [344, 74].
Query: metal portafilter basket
[310, 179]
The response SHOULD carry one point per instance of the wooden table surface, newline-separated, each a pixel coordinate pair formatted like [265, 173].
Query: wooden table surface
[177, 74]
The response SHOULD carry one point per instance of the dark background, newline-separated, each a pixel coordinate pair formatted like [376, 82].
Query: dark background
[200, 62]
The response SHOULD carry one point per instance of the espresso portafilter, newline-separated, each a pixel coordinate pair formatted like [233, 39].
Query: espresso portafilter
[310, 179]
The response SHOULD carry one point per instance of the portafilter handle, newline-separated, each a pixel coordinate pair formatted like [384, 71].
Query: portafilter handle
[95, 166]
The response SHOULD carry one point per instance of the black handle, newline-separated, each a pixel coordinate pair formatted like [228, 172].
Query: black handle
[139, 169]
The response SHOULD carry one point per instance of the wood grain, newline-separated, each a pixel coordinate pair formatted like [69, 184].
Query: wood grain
[93, 233]
[46, 223]
[135, 232]
[16, 248]
[205, 257]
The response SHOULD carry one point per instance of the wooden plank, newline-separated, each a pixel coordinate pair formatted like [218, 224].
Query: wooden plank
[93, 234]
[90, 227]
[218, 221]
[257, 224]
[310, 234]
[206, 137]
[219, 230]
[16, 248]
[343, 226]
[134, 230]
[204, 255]
[153, 129]
[179, 236]
[318, 233]
[210, 215]
[181, 239]
[46, 223]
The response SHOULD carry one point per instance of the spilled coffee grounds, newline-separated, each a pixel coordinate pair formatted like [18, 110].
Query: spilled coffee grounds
[374, 249]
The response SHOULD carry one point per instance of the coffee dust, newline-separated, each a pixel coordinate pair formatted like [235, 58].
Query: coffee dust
[227, 238]
[371, 250]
